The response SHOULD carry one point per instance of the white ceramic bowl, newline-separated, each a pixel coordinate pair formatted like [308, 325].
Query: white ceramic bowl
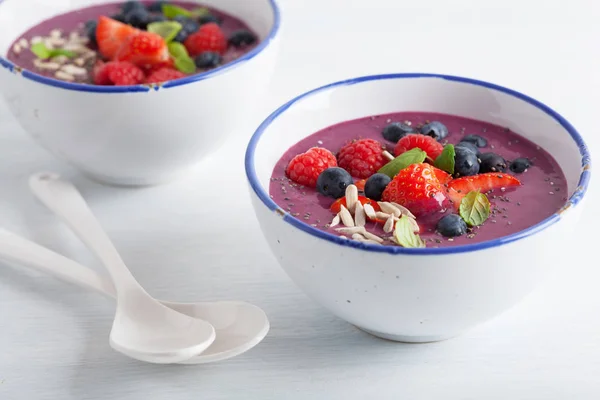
[137, 135]
[415, 295]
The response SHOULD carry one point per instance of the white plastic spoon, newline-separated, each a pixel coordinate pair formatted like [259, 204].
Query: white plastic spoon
[239, 325]
[143, 328]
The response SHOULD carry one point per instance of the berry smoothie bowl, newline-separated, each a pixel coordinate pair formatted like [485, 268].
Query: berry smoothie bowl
[416, 206]
[135, 92]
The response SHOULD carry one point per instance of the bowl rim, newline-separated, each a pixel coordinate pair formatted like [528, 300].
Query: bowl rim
[571, 202]
[80, 87]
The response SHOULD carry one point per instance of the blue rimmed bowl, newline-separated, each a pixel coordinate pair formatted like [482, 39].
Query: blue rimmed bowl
[137, 135]
[428, 294]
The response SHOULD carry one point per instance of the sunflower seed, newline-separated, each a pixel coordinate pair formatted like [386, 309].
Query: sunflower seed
[64, 76]
[382, 215]
[370, 211]
[24, 43]
[362, 239]
[404, 210]
[87, 55]
[360, 218]
[74, 70]
[388, 155]
[17, 48]
[55, 42]
[36, 39]
[346, 217]
[358, 236]
[389, 224]
[336, 221]
[415, 225]
[80, 62]
[389, 208]
[372, 236]
[55, 33]
[46, 65]
[60, 59]
[351, 197]
[352, 230]
[76, 47]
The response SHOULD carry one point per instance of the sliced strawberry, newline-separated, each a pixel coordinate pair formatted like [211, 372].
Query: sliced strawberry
[144, 49]
[429, 145]
[360, 185]
[337, 205]
[442, 175]
[458, 188]
[111, 34]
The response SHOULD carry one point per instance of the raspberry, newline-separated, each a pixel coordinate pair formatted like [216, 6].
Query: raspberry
[209, 37]
[417, 188]
[163, 75]
[305, 168]
[119, 73]
[362, 158]
[429, 145]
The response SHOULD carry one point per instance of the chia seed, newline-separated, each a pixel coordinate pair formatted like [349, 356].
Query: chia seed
[438, 241]
[518, 203]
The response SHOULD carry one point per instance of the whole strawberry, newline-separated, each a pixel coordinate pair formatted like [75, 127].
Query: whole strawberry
[305, 168]
[209, 37]
[417, 188]
[362, 158]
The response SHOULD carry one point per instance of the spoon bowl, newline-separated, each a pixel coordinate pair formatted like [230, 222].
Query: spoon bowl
[239, 326]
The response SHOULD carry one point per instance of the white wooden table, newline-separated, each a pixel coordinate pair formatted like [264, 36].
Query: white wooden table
[54, 338]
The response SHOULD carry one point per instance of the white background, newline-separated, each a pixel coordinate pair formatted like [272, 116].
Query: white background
[182, 243]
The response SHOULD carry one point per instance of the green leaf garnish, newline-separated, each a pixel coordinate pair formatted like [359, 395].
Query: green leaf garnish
[445, 161]
[185, 65]
[474, 208]
[183, 61]
[200, 12]
[170, 11]
[166, 29]
[413, 156]
[42, 52]
[405, 235]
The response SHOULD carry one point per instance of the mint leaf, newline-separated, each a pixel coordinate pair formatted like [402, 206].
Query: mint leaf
[405, 235]
[166, 29]
[445, 161]
[413, 156]
[474, 208]
[200, 12]
[183, 61]
[185, 65]
[42, 52]
[170, 11]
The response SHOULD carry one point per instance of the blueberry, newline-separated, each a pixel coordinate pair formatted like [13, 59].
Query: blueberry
[520, 165]
[435, 129]
[492, 162]
[129, 6]
[396, 131]
[475, 139]
[208, 59]
[333, 182]
[188, 26]
[451, 225]
[119, 17]
[465, 162]
[90, 30]
[468, 146]
[205, 19]
[242, 38]
[375, 186]
[138, 18]
[157, 6]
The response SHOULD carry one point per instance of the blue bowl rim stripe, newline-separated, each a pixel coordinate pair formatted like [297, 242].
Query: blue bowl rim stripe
[146, 88]
[573, 200]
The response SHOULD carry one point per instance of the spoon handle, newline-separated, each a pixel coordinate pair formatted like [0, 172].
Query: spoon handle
[16, 249]
[63, 199]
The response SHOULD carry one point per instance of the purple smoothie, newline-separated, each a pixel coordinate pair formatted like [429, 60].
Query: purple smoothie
[74, 22]
[543, 190]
